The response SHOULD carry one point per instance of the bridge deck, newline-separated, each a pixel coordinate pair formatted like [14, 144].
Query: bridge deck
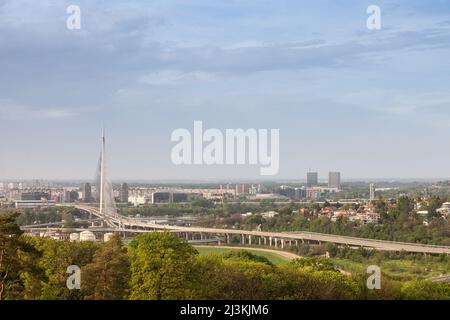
[135, 226]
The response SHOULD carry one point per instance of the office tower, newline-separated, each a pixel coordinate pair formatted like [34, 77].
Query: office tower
[179, 197]
[34, 195]
[334, 180]
[161, 196]
[123, 193]
[68, 196]
[86, 194]
[371, 192]
[312, 179]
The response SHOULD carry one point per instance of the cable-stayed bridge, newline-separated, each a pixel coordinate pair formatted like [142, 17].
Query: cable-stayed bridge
[104, 190]
[106, 212]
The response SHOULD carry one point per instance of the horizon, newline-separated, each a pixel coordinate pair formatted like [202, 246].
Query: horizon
[240, 180]
[224, 153]
[344, 98]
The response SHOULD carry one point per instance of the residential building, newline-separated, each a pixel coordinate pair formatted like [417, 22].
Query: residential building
[86, 192]
[123, 193]
[334, 180]
[312, 179]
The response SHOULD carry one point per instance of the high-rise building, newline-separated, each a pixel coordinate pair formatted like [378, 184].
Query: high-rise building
[70, 195]
[312, 179]
[123, 193]
[371, 192]
[334, 180]
[86, 192]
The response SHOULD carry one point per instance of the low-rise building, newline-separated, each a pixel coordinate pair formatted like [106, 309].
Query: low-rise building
[444, 209]
[55, 235]
[87, 236]
[269, 214]
[138, 200]
[34, 204]
[368, 217]
[350, 214]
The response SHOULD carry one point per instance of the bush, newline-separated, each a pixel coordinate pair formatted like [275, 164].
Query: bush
[246, 255]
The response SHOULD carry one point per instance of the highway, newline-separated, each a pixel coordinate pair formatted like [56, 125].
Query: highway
[275, 239]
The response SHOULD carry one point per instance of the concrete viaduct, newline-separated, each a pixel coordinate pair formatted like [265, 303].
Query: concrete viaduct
[279, 240]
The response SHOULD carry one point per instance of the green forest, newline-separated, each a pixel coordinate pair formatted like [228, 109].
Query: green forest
[159, 265]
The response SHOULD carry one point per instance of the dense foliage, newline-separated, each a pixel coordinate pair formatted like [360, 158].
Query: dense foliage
[161, 266]
[67, 215]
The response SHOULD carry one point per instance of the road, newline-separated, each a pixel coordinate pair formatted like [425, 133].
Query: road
[135, 225]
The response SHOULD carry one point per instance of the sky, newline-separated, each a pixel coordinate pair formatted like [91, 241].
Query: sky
[367, 103]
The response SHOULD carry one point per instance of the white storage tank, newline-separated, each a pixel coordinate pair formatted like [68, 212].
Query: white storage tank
[107, 236]
[87, 236]
[74, 236]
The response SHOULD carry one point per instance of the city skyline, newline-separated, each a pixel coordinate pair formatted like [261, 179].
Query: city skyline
[370, 104]
[224, 154]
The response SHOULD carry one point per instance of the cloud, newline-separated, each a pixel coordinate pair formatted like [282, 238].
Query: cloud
[13, 111]
[58, 114]
[173, 77]
[121, 44]
[429, 108]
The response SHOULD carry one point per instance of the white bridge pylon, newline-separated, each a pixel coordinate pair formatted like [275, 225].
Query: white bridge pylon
[105, 193]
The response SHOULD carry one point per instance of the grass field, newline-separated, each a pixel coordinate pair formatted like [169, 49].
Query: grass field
[395, 268]
[276, 259]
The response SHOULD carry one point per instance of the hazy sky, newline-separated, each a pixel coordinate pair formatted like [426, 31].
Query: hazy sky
[345, 98]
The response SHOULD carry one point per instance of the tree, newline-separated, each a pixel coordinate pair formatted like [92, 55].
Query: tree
[162, 267]
[316, 264]
[332, 249]
[246, 255]
[232, 279]
[56, 257]
[404, 206]
[433, 204]
[18, 274]
[107, 276]
[309, 284]
[333, 285]
[426, 290]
